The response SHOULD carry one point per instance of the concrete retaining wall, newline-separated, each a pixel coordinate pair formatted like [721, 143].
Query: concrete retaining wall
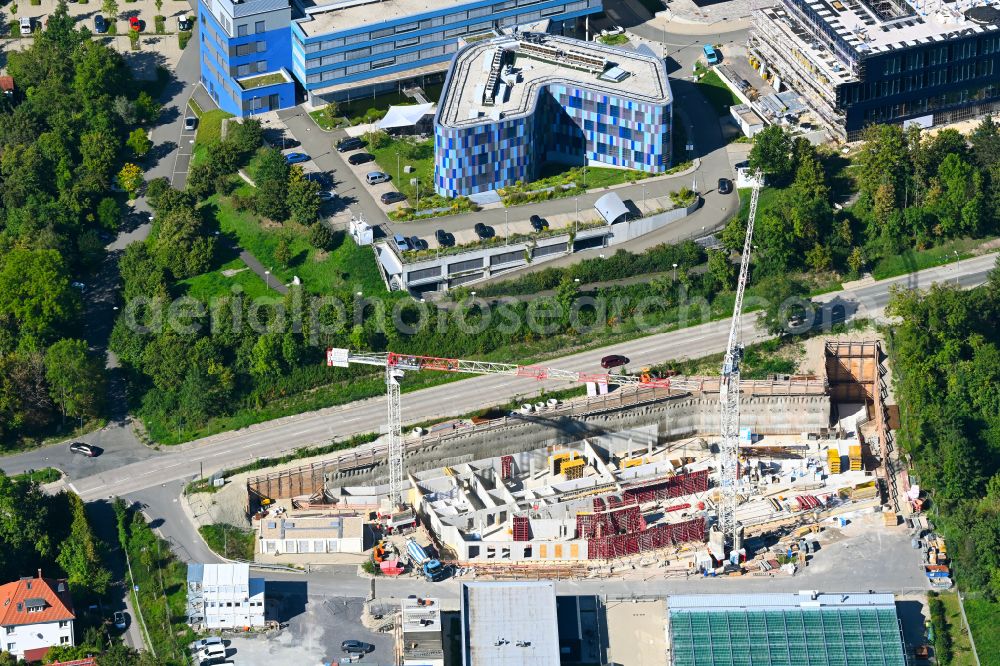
[674, 418]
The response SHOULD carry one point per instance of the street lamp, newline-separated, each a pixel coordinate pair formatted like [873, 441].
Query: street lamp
[397, 169]
[506, 227]
[675, 272]
[267, 278]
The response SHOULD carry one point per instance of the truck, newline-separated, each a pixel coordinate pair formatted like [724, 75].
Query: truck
[432, 569]
[711, 55]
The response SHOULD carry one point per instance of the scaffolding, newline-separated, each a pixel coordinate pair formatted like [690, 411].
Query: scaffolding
[669, 487]
[506, 465]
[522, 529]
[652, 538]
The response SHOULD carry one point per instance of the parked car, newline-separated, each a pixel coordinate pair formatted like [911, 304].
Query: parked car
[134, 23]
[78, 285]
[725, 186]
[190, 124]
[327, 195]
[356, 647]
[296, 158]
[613, 361]
[376, 177]
[120, 621]
[402, 243]
[418, 243]
[360, 158]
[83, 449]
[484, 231]
[350, 143]
[539, 223]
[25, 25]
[392, 197]
[444, 238]
[100, 25]
[184, 23]
[205, 642]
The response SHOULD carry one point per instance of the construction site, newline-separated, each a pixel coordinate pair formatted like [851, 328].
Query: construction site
[692, 474]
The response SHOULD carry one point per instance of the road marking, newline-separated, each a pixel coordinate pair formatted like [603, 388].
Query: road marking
[73, 488]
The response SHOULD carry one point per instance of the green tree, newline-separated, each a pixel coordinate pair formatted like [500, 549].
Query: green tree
[109, 213]
[139, 142]
[80, 554]
[147, 109]
[142, 274]
[883, 160]
[110, 9]
[303, 198]
[35, 293]
[245, 136]
[283, 251]
[770, 153]
[721, 271]
[271, 165]
[271, 200]
[180, 245]
[27, 528]
[75, 378]
[856, 260]
[99, 152]
[265, 359]
[782, 298]
[320, 237]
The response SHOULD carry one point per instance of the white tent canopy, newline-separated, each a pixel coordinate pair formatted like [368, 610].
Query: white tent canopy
[611, 207]
[405, 116]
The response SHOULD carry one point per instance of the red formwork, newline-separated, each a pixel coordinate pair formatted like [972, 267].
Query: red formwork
[659, 536]
[506, 462]
[522, 528]
[613, 517]
[675, 486]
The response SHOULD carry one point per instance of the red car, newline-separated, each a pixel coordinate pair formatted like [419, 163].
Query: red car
[613, 361]
[134, 23]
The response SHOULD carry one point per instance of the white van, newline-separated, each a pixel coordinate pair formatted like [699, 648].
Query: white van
[25, 25]
[212, 653]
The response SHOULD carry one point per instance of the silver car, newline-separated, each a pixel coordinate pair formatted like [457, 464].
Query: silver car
[376, 177]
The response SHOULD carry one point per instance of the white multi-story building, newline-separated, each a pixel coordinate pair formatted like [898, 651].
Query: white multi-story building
[223, 596]
[35, 614]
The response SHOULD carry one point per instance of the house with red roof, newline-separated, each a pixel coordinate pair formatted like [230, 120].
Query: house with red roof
[35, 614]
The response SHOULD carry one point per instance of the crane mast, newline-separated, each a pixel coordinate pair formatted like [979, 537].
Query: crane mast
[729, 389]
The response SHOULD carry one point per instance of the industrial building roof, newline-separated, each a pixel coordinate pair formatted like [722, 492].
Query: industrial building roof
[788, 629]
[503, 77]
[313, 527]
[879, 26]
[510, 624]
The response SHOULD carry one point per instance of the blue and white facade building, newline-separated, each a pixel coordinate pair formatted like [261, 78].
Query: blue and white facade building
[349, 49]
[245, 50]
[510, 104]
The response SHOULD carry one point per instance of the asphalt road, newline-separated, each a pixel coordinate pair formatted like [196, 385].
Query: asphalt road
[106, 475]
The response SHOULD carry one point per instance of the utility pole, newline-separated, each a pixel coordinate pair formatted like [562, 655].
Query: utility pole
[506, 227]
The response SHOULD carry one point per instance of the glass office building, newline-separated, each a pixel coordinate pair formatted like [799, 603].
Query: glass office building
[325, 50]
[511, 104]
[883, 61]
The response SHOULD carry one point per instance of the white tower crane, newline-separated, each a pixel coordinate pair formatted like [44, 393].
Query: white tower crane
[397, 364]
[729, 389]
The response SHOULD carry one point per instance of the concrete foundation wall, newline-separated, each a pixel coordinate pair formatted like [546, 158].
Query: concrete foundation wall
[674, 418]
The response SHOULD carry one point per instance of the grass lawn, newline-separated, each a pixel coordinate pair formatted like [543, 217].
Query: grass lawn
[915, 260]
[770, 198]
[262, 80]
[319, 117]
[423, 166]
[347, 266]
[961, 649]
[717, 93]
[591, 177]
[613, 40]
[210, 126]
[230, 541]
[984, 618]
[44, 475]
[357, 107]
[214, 283]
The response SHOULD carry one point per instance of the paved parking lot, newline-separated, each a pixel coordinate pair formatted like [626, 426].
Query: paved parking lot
[317, 626]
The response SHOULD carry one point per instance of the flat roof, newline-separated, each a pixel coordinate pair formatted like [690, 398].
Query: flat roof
[510, 623]
[804, 629]
[329, 16]
[879, 26]
[503, 76]
[312, 527]
[803, 599]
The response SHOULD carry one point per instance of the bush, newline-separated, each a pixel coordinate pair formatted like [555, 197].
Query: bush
[183, 37]
[36, 2]
[13, 26]
[161, 24]
[942, 639]
[320, 236]
[377, 139]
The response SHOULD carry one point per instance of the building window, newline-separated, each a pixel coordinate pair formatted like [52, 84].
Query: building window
[409, 27]
[11, 647]
[63, 640]
[258, 27]
[386, 62]
[241, 30]
[261, 65]
[63, 624]
[400, 43]
[384, 32]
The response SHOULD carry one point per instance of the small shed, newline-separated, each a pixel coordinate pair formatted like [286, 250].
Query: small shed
[611, 207]
[7, 85]
[412, 119]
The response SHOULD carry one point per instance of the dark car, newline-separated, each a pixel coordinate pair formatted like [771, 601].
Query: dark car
[360, 158]
[613, 361]
[539, 223]
[444, 238]
[190, 124]
[356, 647]
[391, 197]
[83, 449]
[296, 158]
[100, 25]
[725, 186]
[484, 231]
[350, 143]
[418, 243]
